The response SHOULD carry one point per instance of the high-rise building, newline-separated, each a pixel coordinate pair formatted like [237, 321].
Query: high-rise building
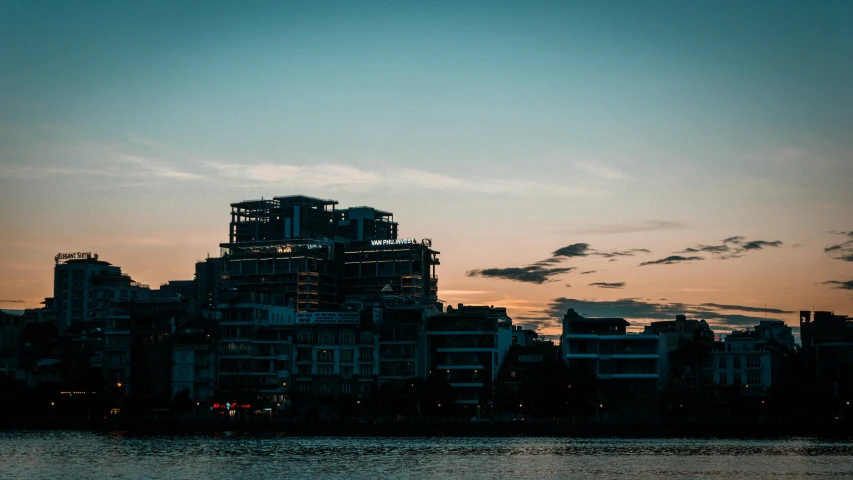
[316, 256]
[86, 288]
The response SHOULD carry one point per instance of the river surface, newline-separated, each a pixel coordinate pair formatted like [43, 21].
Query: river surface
[74, 454]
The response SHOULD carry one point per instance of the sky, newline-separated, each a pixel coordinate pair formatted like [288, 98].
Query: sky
[633, 159]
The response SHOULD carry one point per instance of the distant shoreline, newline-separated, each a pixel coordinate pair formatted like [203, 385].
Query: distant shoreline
[836, 429]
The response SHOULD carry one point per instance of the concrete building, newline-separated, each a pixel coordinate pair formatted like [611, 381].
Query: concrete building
[466, 347]
[194, 361]
[317, 256]
[679, 332]
[624, 363]
[138, 352]
[828, 349]
[11, 332]
[775, 331]
[745, 361]
[336, 355]
[86, 288]
[256, 342]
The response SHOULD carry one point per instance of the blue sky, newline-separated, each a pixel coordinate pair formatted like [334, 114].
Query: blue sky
[129, 127]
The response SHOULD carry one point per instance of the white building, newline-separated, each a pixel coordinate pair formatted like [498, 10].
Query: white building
[742, 360]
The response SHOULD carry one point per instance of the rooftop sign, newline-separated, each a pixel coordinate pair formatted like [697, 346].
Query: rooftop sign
[64, 257]
[401, 241]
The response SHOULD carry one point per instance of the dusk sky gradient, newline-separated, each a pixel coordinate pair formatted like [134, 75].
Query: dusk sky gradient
[504, 131]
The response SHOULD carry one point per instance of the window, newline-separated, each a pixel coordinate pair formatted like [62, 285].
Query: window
[755, 378]
[303, 354]
[722, 361]
[346, 356]
[325, 370]
[304, 387]
[303, 369]
[366, 337]
[304, 337]
[737, 362]
[723, 379]
[346, 338]
[365, 354]
[346, 389]
[737, 379]
[327, 338]
[346, 371]
[325, 390]
[325, 356]
[753, 361]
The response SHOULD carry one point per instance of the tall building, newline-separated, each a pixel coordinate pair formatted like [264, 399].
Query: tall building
[316, 256]
[86, 288]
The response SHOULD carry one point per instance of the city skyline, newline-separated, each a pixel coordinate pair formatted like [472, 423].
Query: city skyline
[660, 159]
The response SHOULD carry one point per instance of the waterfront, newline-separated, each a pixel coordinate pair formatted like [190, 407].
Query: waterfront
[76, 454]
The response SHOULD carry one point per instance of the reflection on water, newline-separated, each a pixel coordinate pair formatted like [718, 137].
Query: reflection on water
[54, 454]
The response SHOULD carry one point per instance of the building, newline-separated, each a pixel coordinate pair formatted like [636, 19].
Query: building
[466, 347]
[86, 288]
[626, 365]
[681, 331]
[11, 332]
[194, 361]
[337, 355]
[138, 352]
[774, 332]
[316, 256]
[405, 267]
[256, 340]
[827, 341]
[402, 344]
[743, 361]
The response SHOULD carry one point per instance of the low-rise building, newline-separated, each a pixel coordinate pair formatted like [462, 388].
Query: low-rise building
[466, 347]
[742, 360]
[626, 364]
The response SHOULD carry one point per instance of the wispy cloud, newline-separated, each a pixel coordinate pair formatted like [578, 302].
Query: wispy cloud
[647, 226]
[841, 251]
[344, 176]
[530, 274]
[608, 284]
[840, 284]
[732, 247]
[584, 250]
[600, 170]
[12, 301]
[671, 260]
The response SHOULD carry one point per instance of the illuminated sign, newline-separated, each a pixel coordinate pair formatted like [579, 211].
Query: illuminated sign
[64, 257]
[401, 241]
[231, 406]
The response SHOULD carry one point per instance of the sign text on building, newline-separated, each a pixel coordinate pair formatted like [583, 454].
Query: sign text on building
[64, 257]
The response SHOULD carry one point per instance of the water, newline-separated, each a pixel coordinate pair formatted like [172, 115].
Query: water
[58, 454]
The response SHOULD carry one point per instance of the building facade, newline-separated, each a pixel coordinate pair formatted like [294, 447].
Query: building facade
[624, 363]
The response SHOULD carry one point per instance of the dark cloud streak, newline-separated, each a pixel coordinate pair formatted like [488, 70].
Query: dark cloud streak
[607, 284]
[671, 260]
